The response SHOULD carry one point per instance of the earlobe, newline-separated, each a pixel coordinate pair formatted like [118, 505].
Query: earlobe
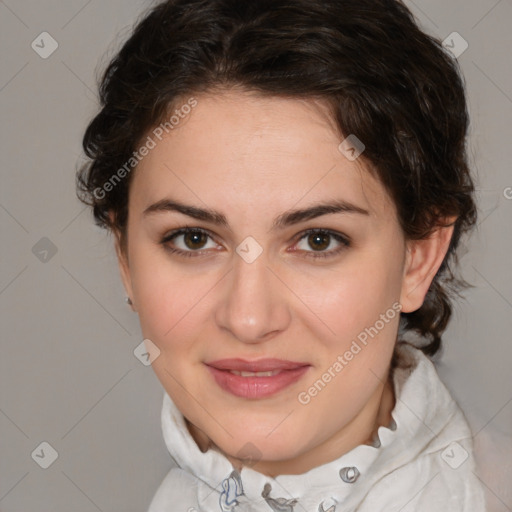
[124, 270]
[122, 260]
[423, 259]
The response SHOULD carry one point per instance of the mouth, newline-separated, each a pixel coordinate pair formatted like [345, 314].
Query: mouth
[256, 379]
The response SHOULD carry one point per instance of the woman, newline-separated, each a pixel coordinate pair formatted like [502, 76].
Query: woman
[287, 185]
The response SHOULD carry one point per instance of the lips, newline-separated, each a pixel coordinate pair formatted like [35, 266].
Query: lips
[262, 365]
[256, 379]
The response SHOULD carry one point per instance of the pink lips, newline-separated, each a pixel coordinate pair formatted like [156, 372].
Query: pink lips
[284, 374]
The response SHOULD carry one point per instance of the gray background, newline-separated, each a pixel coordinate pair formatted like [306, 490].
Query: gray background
[68, 375]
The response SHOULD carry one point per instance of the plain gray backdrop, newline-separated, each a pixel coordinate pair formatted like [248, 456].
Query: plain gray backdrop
[68, 374]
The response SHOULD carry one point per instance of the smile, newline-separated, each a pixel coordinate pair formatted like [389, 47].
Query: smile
[255, 374]
[255, 379]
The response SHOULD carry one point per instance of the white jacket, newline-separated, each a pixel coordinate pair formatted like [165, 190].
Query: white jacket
[422, 462]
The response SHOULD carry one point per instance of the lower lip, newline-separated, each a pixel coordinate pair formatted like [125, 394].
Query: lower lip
[256, 387]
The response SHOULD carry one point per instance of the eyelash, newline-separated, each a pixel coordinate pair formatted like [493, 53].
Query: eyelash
[345, 242]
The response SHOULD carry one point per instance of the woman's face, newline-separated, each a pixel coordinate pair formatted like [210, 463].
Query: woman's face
[253, 285]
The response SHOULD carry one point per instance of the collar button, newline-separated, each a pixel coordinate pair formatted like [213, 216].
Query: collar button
[349, 474]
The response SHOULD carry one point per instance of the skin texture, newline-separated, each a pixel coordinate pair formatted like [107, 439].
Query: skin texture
[253, 158]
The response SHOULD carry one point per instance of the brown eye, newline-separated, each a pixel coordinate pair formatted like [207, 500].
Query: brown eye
[319, 241]
[195, 239]
[187, 241]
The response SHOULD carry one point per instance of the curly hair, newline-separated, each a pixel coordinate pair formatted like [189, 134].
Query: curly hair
[381, 76]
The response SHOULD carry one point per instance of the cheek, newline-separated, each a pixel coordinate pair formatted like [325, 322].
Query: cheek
[360, 307]
[350, 299]
[169, 298]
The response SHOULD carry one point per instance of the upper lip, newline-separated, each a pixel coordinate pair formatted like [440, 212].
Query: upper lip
[262, 365]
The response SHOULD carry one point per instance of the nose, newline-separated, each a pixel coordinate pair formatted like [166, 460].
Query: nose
[253, 305]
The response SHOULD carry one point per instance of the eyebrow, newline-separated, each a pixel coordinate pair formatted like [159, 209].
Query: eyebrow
[287, 218]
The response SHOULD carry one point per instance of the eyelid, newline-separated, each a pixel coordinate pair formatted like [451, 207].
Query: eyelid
[185, 229]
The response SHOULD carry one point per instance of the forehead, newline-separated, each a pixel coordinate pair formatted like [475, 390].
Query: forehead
[239, 151]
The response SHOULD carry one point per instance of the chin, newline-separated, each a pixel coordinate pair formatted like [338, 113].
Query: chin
[253, 448]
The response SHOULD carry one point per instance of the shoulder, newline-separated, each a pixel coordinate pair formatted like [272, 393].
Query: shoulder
[178, 491]
[440, 480]
[447, 480]
[430, 464]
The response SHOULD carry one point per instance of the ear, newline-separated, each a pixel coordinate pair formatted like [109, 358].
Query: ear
[423, 259]
[124, 266]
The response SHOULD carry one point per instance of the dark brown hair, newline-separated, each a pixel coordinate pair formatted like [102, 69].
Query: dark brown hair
[384, 80]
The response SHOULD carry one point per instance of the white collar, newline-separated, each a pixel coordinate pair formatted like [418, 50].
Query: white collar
[425, 419]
